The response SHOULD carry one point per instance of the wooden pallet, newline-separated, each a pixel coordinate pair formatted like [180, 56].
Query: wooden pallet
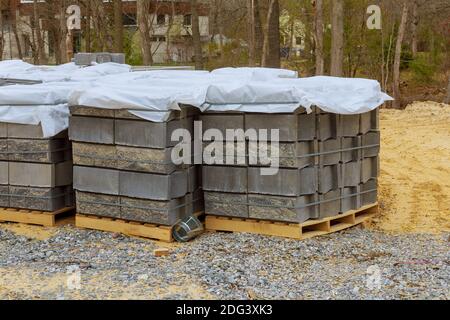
[130, 228]
[308, 229]
[41, 218]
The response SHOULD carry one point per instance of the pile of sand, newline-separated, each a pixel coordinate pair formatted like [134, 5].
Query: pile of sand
[415, 169]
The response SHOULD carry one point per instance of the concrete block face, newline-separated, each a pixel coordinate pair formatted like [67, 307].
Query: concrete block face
[38, 150]
[32, 198]
[330, 204]
[93, 130]
[91, 112]
[329, 151]
[31, 174]
[145, 160]
[350, 199]
[4, 173]
[25, 131]
[224, 179]
[306, 126]
[285, 123]
[96, 180]
[369, 192]
[329, 178]
[226, 204]
[153, 186]
[3, 130]
[221, 122]
[370, 169]
[98, 204]
[285, 182]
[370, 121]
[328, 124]
[63, 173]
[4, 149]
[152, 211]
[235, 151]
[351, 149]
[306, 151]
[371, 144]
[351, 173]
[193, 179]
[350, 125]
[94, 155]
[4, 196]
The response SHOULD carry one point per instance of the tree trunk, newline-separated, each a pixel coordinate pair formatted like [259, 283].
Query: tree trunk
[397, 56]
[144, 30]
[198, 55]
[2, 40]
[259, 32]
[271, 47]
[318, 37]
[414, 25]
[118, 26]
[88, 25]
[337, 38]
[63, 32]
[447, 99]
[251, 33]
[37, 28]
[16, 34]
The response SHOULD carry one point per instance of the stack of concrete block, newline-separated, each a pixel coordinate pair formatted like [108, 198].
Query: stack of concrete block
[35, 172]
[87, 59]
[123, 167]
[328, 165]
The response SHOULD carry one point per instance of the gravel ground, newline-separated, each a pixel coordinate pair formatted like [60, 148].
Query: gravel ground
[354, 264]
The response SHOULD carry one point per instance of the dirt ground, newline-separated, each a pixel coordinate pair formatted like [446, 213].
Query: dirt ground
[415, 169]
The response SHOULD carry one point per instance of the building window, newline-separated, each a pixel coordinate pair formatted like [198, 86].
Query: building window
[187, 21]
[298, 40]
[158, 39]
[129, 20]
[161, 19]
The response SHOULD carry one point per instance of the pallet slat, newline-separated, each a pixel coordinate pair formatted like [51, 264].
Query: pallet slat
[42, 218]
[308, 229]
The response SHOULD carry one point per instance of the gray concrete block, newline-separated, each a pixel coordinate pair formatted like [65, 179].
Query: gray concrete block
[153, 186]
[370, 121]
[286, 124]
[94, 155]
[330, 204]
[329, 178]
[4, 196]
[221, 122]
[149, 134]
[40, 174]
[350, 125]
[4, 149]
[39, 150]
[329, 152]
[25, 131]
[224, 179]
[226, 204]
[92, 112]
[94, 130]
[236, 151]
[351, 173]
[306, 126]
[287, 182]
[102, 205]
[193, 178]
[369, 192]
[370, 169]
[96, 180]
[33, 198]
[371, 139]
[347, 145]
[4, 173]
[350, 199]
[145, 160]
[286, 209]
[3, 130]
[327, 126]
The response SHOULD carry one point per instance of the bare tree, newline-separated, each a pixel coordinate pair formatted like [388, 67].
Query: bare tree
[271, 46]
[16, 33]
[415, 23]
[198, 54]
[118, 26]
[251, 33]
[143, 8]
[337, 38]
[397, 56]
[318, 36]
[39, 42]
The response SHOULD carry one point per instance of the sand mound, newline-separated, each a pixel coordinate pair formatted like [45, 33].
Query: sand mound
[415, 169]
